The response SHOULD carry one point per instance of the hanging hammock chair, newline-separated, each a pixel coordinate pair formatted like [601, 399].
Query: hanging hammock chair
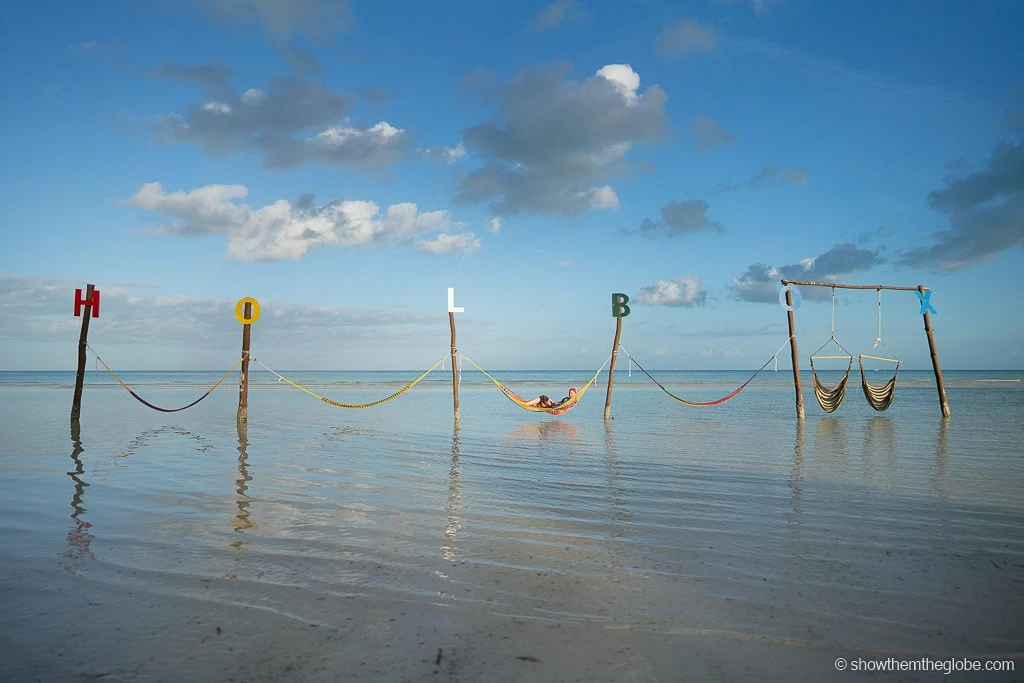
[879, 397]
[831, 397]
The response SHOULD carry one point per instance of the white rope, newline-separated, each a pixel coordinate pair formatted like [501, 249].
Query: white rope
[878, 339]
[833, 312]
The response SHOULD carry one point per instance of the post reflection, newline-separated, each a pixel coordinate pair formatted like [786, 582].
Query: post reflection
[616, 490]
[449, 551]
[243, 522]
[938, 478]
[79, 537]
[796, 475]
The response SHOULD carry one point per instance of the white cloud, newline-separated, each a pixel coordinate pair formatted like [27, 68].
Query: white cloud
[625, 80]
[494, 225]
[681, 291]
[603, 198]
[291, 123]
[447, 155]
[283, 230]
[556, 140]
[446, 243]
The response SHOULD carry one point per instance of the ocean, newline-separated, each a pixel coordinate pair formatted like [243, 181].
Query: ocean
[732, 542]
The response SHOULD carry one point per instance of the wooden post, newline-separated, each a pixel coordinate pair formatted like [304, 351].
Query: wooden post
[455, 369]
[611, 368]
[83, 338]
[243, 376]
[794, 355]
[940, 385]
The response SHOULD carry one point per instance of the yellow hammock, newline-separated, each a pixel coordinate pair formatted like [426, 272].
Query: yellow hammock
[560, 409]
[337, 404]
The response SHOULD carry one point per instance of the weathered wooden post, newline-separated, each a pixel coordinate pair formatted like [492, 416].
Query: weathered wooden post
[620, 310]
[92, 310]
[247, 311]
[794, 354]
[939, 384]
[452, 310]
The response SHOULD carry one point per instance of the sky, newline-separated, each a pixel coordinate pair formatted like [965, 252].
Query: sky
[344, 162]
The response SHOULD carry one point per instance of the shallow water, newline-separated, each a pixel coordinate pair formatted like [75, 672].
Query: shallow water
[865, 532]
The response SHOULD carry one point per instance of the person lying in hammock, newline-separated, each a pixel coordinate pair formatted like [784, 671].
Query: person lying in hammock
[543, 401]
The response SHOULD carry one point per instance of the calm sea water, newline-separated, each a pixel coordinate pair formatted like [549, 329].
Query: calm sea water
[320, 532]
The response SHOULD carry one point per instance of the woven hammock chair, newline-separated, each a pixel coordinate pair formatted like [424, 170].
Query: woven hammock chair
[831, 397]
[879, 397]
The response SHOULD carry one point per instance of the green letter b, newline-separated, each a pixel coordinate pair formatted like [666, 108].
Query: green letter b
[619, 307]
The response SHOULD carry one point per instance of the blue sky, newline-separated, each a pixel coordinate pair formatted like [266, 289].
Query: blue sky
[346, 162]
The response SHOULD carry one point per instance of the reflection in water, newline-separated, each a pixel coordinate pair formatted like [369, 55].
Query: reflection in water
[879, 443]
[243, 521]
[830, 441]
[79, 537]
[620, 516]
[938, 478]
[452, 525]
[796, 477]
[144, 438]
[554, 430]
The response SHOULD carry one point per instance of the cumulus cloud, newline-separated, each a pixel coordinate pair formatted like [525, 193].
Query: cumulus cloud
[447, 155]
[684, 38]
[709, 134]
[494, 225]
[768, 176]
[294, 121]
[682, 291]
[760, 282]
[680, 218]
[554, 13]
[286, 230]
[283, 19]
[450, 243]
[555, 139]
[985, 212]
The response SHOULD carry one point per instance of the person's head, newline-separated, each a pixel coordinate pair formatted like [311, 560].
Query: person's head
[572, 391]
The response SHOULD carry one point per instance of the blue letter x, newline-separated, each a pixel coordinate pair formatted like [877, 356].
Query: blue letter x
[925, 306]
